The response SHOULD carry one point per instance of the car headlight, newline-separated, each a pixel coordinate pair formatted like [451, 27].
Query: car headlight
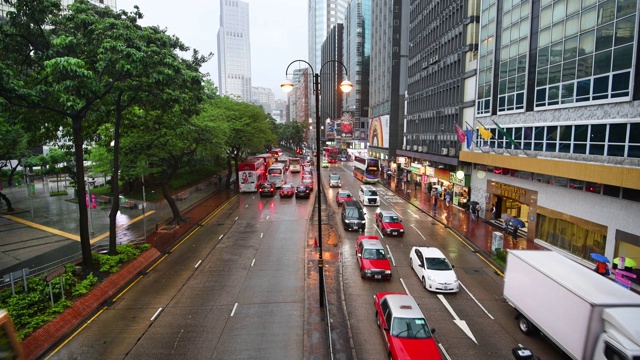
[387, 272]
[368, 272]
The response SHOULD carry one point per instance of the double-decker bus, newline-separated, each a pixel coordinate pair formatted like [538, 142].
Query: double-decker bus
[251, 173]
[276, 152]
[366, 169]
[284, 160]
[295, 165]
[268, 160]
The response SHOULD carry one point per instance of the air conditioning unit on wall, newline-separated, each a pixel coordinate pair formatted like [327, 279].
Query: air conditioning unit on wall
[452, 151]
[444, 151]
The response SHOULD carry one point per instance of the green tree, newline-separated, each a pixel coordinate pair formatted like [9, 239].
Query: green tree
[63, 64]
[249, 130]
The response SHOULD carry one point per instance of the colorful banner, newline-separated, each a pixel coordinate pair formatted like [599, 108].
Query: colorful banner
[346, 125]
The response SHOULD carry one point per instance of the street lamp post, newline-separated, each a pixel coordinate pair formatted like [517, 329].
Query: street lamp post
[345, 86]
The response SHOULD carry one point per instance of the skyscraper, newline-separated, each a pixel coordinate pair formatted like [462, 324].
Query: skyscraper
[234, 50]
[323, 15]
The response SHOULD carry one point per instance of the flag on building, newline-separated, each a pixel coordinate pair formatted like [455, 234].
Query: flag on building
[469, 134]
[486, 134]
[504, 133]
[461, 135]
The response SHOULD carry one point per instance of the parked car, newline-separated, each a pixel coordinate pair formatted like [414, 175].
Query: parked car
[404, 328]
[302, 192]
[342, 196]
[433, 269]
[389, 223]
[287, 190]
[267, 189]
[372, 259]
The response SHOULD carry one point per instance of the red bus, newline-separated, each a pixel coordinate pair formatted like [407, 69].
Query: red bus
[251, 174]
[275, 152]
[268, 160]
[331, 153]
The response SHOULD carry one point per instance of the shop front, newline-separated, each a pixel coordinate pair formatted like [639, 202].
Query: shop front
[517, 202]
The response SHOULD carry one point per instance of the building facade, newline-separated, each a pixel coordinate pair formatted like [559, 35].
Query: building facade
[356, 58]
[264, 97]
[387, 78]
[558, 122]
[443, 39]
[331, 75]
[323, 15]
[234, 50]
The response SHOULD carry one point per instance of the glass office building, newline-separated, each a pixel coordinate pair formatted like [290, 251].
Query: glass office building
[558, 119]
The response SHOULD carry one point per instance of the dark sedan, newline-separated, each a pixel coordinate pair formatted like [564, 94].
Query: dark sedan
[302, 191]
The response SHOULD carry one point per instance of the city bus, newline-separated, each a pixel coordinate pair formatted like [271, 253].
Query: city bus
[366, 169]
[251, 173]
[284, 160]
[331, 153]
[277, 174]
[295, 165]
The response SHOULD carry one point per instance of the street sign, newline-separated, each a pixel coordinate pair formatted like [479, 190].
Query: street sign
[54, 273]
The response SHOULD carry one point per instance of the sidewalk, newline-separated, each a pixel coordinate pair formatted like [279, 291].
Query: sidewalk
[43, 229]
[478, 233]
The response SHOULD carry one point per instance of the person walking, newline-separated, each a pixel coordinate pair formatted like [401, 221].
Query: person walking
[434, 205]
[474, 212]
[602, 268]
[447, 197]
[493, 211]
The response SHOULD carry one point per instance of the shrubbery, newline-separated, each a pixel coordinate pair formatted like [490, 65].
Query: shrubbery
[32, 309]
[500, 257]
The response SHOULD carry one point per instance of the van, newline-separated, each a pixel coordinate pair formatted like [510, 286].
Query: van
[353, 216]
[334, 180]
[368, 195]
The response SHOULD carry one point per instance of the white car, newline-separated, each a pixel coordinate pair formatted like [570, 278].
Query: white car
[433, 269]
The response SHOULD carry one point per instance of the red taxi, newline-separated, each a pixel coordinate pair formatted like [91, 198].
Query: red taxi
[342, 196]
[287, 190]
[404, 328]
[372, 259]
[389, 223]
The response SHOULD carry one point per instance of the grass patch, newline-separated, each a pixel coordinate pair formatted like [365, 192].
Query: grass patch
[500, 257]
[58, 193]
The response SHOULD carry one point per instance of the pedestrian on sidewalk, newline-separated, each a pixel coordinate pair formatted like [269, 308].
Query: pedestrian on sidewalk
[493, 211]
[474, 212]
[447, 197]
[434, 205]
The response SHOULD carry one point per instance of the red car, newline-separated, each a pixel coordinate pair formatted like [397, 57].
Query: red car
[287, 190]
[307, 181]
[389, 223]
[332, 160]
[372, 259]
[406, 332]
[342, 196]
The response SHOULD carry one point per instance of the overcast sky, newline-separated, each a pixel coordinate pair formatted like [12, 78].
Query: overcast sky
[278, 32]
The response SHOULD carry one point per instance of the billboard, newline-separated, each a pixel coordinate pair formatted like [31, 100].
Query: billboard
[346, 125]
[330, 129]
[379, 131]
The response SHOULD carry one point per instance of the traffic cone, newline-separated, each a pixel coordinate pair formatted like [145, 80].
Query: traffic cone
[315, 242]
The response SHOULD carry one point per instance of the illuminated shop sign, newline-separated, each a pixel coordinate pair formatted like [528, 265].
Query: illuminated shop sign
[510, 191]
[455, 179]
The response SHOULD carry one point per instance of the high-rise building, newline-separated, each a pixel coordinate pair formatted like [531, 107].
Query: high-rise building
[387, 79]
[356, 56]
[234, 50]
[323, 15]
[558, 122]
[264, 97]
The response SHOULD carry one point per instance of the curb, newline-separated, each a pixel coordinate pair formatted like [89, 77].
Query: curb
[48, 335]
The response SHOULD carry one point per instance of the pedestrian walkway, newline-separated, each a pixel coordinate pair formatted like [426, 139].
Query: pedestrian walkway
[477, 232]
[43, 229]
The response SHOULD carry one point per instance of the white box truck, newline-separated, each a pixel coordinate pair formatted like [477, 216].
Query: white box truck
[587, 315]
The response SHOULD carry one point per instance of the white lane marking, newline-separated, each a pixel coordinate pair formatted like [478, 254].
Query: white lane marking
[198, 264]
[414, 215]
[246, 205]
[156, 314]
[261, 235]
[234, 309]
[461, 323]
[220, 237]
[391, 256]
[267, 217]
[444, 351]
[477, 302]
[236, 218]
[413, 226]
[405, 287]
[253, 262]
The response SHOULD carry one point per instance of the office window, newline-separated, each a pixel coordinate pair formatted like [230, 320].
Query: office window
[599, 36]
